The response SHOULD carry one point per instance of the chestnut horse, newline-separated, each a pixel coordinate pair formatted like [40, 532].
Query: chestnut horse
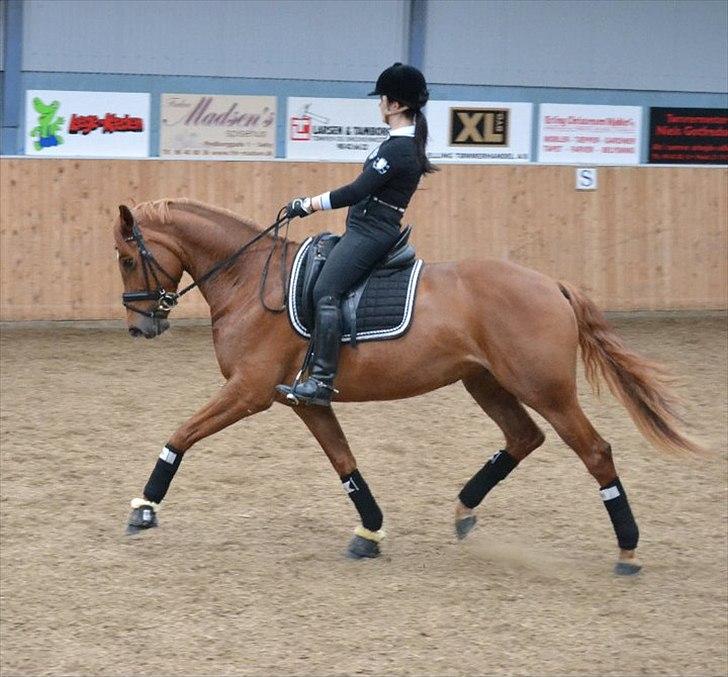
[510, 334]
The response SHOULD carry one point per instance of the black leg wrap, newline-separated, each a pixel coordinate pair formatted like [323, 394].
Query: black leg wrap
[358, 490]
[617, 505]
[162, 475]
[496, 469]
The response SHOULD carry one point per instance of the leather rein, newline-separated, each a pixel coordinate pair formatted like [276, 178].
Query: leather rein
[166, 300]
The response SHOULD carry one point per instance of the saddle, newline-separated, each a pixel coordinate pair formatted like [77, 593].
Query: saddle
[388, 292]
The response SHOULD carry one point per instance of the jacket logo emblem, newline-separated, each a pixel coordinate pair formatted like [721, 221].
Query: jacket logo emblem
[381, 165]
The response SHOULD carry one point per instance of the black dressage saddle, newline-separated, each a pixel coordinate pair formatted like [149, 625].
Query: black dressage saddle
[388, 291]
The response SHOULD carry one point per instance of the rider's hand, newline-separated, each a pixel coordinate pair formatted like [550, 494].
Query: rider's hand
[299, 206]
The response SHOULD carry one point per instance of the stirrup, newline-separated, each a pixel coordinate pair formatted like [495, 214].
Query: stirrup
[288, 392]
[296, 398]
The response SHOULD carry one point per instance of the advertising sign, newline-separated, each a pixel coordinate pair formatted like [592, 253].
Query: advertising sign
[478, 131]
[605, 135]
[696, 136]
[338, 130]
[215, 126]
[86, 124]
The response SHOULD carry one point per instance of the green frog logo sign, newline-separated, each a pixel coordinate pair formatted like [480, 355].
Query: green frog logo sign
[46, 133]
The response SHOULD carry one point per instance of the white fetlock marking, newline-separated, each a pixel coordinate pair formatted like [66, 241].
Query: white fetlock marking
[376, 536]
[139, 502]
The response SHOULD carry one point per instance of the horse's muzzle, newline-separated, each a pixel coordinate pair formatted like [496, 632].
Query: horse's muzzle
[151, 329]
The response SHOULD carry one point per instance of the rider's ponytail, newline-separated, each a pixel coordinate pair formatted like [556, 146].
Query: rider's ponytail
[421, 135]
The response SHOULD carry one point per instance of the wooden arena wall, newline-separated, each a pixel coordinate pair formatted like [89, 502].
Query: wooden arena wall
[649, 238]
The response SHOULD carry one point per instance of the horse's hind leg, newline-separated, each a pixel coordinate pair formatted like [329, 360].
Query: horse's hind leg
[522, 437]
[574, 428]
[324, 425]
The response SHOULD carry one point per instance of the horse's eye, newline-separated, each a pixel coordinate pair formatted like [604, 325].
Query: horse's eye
[127, 263]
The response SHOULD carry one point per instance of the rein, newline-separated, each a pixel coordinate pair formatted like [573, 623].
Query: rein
[166, 300]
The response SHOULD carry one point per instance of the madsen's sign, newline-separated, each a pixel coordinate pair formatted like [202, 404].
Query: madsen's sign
[86, 124]
[211, 126]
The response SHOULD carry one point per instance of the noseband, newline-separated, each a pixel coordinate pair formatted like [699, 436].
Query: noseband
[166, 300]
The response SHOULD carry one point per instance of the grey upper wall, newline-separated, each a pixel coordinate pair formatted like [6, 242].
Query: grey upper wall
[2, 35]
[320, 40]
[663, 45]
[670, 45]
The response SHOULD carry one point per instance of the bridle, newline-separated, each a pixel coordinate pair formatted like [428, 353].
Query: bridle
[166, 300]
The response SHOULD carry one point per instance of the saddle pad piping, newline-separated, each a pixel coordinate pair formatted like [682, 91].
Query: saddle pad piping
[295, 270]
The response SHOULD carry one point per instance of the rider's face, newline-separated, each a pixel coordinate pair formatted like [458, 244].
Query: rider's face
[387, 108]
[383, 108]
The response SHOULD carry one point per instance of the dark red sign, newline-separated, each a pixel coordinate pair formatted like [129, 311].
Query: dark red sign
[110, 123]
[695, 136]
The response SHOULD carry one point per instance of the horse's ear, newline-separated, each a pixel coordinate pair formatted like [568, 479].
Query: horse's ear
[127, 220]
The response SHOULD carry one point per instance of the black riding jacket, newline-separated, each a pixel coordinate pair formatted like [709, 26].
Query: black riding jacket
[390, 174]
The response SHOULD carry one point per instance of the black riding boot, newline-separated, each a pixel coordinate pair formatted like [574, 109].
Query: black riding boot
[318, 388]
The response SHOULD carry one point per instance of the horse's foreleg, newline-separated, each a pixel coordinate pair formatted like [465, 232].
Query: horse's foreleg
[522, 437]
[229, 405]
[322, 422]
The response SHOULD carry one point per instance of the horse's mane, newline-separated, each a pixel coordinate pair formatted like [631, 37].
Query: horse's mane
[159, 210]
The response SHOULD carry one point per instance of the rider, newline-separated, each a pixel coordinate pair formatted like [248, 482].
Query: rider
[377, 200]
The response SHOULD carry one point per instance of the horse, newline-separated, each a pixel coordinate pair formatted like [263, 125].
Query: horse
[510, 334]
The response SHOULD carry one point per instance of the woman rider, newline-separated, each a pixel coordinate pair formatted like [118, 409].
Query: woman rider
[377, 199]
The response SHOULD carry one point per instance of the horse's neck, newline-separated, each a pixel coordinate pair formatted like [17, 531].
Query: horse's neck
[206, 238]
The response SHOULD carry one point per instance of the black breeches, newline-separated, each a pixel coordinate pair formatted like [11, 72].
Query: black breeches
[353, 258]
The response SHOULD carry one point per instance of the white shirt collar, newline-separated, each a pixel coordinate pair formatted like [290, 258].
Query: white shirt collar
[403, 131]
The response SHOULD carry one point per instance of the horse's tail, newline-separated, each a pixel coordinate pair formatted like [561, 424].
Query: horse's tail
[639, 384]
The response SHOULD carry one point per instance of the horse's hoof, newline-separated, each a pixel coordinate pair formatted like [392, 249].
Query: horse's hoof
[464, 526]
[141, 518]
[361, 548]
[626, 568]
[132, 530]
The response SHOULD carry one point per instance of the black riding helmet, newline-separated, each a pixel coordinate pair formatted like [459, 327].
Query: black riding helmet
[403, 83]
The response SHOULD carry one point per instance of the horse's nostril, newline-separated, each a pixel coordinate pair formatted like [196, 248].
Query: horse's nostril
[135, 331]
